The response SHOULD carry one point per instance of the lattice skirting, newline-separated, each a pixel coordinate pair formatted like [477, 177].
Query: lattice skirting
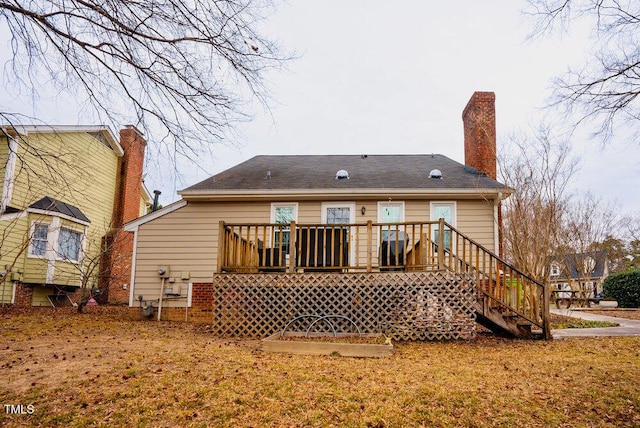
[406, 305]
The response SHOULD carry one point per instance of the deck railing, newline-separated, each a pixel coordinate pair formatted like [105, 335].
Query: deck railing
[499, 284]
[380, 247]
[295, 247]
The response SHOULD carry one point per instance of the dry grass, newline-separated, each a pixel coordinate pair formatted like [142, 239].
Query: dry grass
[99, 370]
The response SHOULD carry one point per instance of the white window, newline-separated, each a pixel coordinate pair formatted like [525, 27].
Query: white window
[39, 239]
[338, 213]
[283, 214]
[390, 212]
[69, 244]
[447, 211]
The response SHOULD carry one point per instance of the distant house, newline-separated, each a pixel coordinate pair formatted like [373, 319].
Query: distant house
[583, 272]
[67, 190]
[244, 248]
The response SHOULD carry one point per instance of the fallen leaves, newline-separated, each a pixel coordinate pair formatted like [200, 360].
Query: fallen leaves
[144, 373]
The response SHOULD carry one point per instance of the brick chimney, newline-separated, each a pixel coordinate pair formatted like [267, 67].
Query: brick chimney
[116, 262]
[127, 206]
[479, 119]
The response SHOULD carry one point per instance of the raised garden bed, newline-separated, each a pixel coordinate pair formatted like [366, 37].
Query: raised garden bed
[343, 344]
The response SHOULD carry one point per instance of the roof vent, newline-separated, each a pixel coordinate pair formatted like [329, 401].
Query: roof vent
[435, 173]
[472, 170]
[342, 175]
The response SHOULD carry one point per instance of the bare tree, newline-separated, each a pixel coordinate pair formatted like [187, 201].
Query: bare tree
[186, 68]
[539, 170]
[605, 90]
[587, 221]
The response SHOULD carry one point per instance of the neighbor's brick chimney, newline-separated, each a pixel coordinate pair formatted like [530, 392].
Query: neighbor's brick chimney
[479, 119]
[127, 206]
[117, 261]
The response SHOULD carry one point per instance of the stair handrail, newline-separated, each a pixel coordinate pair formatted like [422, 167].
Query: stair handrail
[520, 294]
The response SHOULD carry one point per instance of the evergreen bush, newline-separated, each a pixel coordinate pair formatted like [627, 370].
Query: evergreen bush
[624, 287]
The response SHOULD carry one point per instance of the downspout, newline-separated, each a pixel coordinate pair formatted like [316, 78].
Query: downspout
[160, 300]
[9, 172]
[497, 244]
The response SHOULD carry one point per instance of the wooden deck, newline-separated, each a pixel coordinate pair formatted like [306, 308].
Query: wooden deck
[506, 298]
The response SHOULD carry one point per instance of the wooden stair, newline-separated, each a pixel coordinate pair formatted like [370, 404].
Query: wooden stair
[508, 301]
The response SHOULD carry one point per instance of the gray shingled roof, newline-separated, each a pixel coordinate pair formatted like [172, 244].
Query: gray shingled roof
[49, 204]
[365, 172]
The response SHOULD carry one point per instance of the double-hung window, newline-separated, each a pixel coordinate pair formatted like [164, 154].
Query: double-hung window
[39, 239]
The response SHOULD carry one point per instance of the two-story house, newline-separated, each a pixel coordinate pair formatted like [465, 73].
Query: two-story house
[67, 190]
[583, 273]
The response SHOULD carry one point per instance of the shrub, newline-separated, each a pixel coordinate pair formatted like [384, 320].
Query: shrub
[624, 287]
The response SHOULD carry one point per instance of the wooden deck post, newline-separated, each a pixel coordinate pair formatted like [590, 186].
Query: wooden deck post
[292, 247]
[221, 246]
[369, 246]
[441, 244]
[545, 312]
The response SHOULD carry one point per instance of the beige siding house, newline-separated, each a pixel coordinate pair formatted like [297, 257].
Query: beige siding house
[405, 243]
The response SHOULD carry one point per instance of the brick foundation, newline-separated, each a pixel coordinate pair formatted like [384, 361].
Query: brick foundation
[201, 310]
[23, 295]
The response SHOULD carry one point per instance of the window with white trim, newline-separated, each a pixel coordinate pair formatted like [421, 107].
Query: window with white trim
[39, 239]
[69, 244]
[447, 211]
[283, 214]
[390, 212]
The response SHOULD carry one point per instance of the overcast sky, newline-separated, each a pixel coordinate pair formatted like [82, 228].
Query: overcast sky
[377, 77]
[393, 77]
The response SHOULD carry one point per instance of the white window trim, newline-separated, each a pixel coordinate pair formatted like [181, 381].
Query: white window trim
[352, 220]
[383, 204]
[83, 235]
[454, 211]
[53, 235]
[350, 205]
[380, 206]
[454, 214]
[275, 205]
[32, 231]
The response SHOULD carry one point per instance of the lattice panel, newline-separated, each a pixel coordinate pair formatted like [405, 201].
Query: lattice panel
[407, 305]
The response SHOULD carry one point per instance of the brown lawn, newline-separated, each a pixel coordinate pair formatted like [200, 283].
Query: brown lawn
[98, 369]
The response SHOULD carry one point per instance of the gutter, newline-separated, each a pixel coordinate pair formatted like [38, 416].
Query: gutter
[341, 194]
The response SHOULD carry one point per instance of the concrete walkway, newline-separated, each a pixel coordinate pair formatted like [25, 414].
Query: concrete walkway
[627, 327]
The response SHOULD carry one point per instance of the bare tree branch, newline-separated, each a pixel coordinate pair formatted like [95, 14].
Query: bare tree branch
[539, 171]
[604, 92]
[185, 68]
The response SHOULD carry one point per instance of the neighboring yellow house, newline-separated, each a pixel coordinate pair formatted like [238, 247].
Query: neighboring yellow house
[64, 189]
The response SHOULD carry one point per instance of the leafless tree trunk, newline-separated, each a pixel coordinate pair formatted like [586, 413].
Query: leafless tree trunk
[605, 91]
[186, 69]
[539, 170]
[587, 222]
